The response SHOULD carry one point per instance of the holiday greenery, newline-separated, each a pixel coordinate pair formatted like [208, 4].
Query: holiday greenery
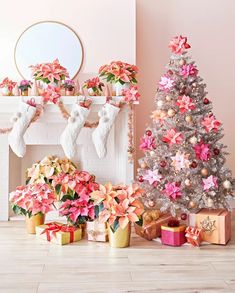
[183, 167]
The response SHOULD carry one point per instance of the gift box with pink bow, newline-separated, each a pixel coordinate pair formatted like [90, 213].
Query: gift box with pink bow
[59, 233]
[173, 233]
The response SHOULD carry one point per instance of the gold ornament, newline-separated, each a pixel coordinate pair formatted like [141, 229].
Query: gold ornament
[143, 165]
[160, 103]
[182, 62]
[189, 118]
[192, 204]
[227, 184]
[187, 182]
[168, 98]
[152, 153]
[210, 203]
[193, 140]
[208, 225]
[204, 172]
[194, 84]
[171, 113]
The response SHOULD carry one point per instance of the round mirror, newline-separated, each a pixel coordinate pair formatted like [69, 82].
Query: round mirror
[45, 42]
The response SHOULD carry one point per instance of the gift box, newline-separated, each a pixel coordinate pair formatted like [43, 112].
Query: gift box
[97, 231]
[215, 225]
[152, 230]
[173, 236]
[59, 233]
[193, 236]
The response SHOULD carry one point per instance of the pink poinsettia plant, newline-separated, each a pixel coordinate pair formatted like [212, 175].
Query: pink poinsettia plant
[8, 84]
[179, 45]
[74, 191]
[49, 72]
[94, 84]
[32, 199]
[118, 205]
[118, 71]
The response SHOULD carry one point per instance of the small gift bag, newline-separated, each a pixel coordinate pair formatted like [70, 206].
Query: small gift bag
[59, 233]
[152, 221]
[193, 236]
[97, 231]
[173, 235]
[214, 223]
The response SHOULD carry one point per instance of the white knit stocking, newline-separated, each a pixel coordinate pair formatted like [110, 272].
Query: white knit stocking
[21, 123]
[99, 137]
[69, 136]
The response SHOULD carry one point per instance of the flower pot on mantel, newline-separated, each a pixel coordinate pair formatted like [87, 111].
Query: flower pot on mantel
[24, 93]
[6, 91]
[34, 221]
[121, 237]
[69, 92]
[118, 88]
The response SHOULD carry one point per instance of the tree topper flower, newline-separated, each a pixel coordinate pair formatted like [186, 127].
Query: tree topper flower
[179, 44]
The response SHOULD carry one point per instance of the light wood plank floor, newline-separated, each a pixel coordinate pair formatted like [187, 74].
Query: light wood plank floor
[30, 265]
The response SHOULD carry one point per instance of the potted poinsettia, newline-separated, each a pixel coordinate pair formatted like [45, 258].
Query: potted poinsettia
[7, 86]
[120, 74]
[24, 87]
[94, 86]
[74, 191]
[33, 201]
[119, 207]
[69, 87]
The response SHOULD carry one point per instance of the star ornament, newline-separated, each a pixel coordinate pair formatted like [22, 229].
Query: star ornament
[179, 44]
[188, 70]
[202, 151]
[211, 123]
[210, 182]
[172, 137]
[180, 161]
[185, 103]
[166, 83]
[208, 225]
[172, 190]
[152, 176]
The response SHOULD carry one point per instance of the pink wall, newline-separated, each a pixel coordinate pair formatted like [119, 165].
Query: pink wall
[209, 26]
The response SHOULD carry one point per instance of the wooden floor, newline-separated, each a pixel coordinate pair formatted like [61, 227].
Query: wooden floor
[31, 265]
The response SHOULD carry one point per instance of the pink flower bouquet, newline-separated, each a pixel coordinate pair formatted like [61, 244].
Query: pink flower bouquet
[94, 86]
[118, 205]
[32, 199]
[74, 190]
[49, 72]
[25, 85]
[118, 71]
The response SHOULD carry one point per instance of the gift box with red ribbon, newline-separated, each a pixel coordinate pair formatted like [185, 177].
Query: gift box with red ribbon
[59, 233]
[193, 236]
[173, 233]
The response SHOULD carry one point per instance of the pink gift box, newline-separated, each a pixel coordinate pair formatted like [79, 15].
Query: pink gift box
[173, 236]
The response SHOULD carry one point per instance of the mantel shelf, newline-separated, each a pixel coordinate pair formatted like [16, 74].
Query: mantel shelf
[67, 100]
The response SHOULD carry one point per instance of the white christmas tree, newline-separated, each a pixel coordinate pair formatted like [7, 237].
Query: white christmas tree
[183, 167]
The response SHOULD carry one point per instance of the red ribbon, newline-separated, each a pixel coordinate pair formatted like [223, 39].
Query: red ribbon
[53, 228]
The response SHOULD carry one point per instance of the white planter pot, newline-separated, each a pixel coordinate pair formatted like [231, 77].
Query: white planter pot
[5, 91]
[118, 88]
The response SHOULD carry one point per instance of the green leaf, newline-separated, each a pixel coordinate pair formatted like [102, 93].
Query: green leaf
[97, 211]
[27, 181]
[140, 222]
[115, 224]
[66, 197]
[134, 80]
[58, 188]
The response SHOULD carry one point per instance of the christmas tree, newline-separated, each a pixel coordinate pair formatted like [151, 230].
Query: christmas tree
[183, 167]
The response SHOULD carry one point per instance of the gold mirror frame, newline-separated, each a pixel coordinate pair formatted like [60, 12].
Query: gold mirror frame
[50, 21]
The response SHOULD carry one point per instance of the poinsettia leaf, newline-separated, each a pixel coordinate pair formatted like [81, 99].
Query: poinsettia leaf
[97, 211]
[58, 188]
[116, 224]
[140, 222]
[27, 181]
[66, 197]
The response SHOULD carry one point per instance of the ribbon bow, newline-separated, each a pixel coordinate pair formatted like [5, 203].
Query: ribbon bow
[31, 102]
[53, 228]
[193, 235]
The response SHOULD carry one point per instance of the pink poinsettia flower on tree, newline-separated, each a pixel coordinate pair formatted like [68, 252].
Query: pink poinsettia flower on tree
[166, 83]
[172, 190]
[172, 137]
[188, 70]
[202, 151]
[152, 176]
[211, 123]
[51, 94]
[179, 44]
[131, 95]
[185, 103]
[210, 182]
[148, 143]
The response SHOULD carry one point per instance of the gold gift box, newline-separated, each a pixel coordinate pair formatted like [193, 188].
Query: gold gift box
[215, 225]
[59, 233]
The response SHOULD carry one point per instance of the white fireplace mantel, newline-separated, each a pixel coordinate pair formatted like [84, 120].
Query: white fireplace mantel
[45, 134]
